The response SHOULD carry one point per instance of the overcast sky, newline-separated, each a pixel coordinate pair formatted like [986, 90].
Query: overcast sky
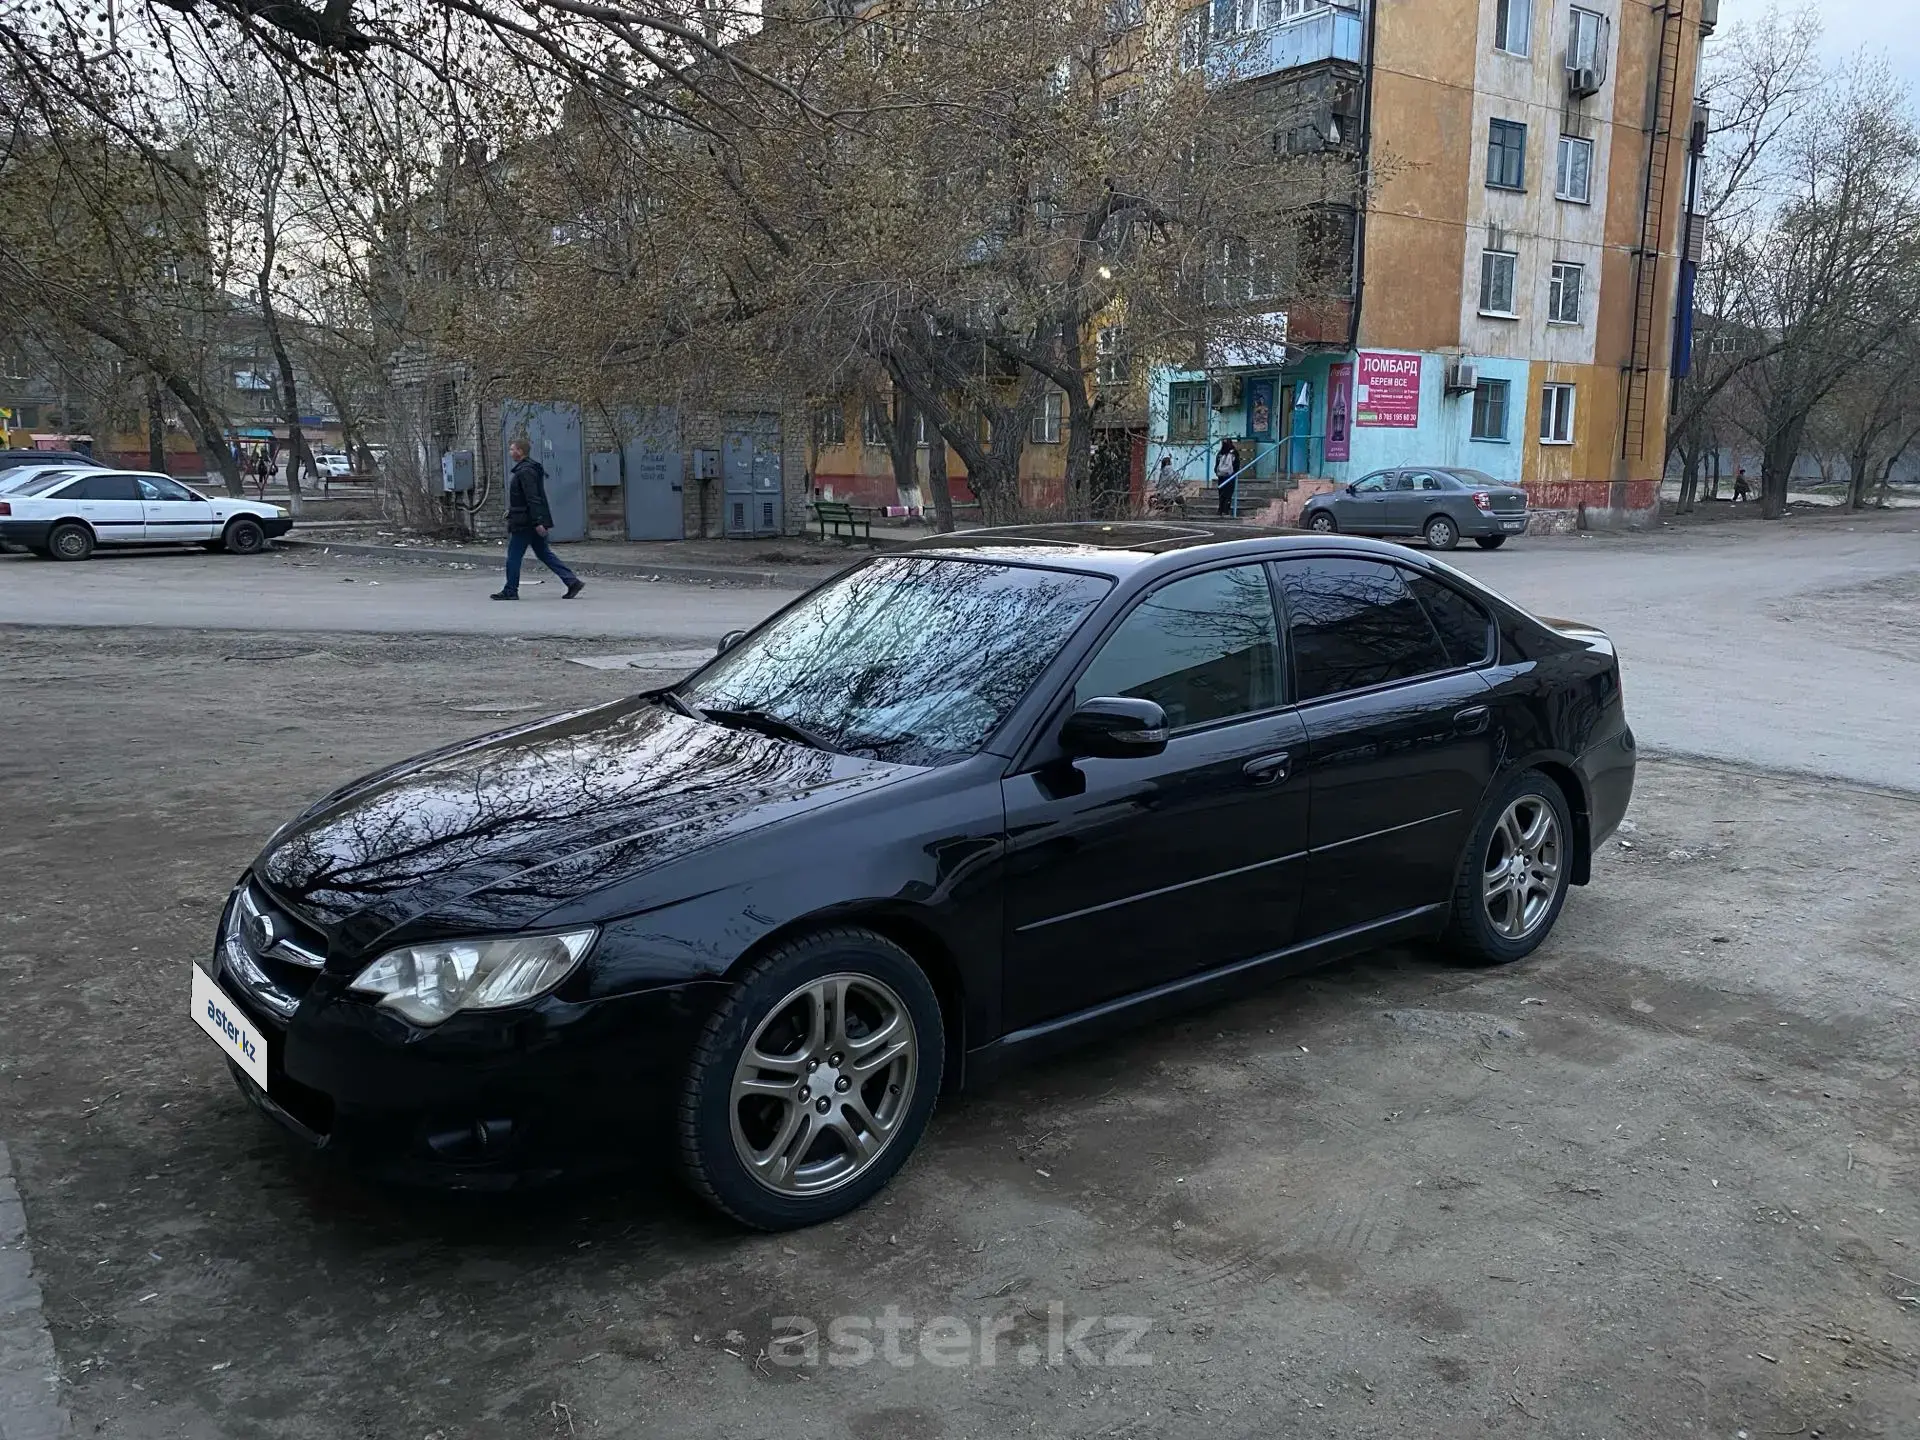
[1889, 25]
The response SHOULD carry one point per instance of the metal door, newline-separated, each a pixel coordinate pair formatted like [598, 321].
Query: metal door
[552, 433]
[750, 475]
[652, 455]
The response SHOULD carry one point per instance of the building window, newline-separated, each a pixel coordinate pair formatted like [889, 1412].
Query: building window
[1507, 155]
[1556, 414]
[1574, 180]
[1513, 26]
[1586, 40]
[1187, 410]
[1490, 410]
[1497, 269]
[1239, 272]
[1046, 425]
[829, 425]
[1112, 364]
[875, 431]
[1563, 294]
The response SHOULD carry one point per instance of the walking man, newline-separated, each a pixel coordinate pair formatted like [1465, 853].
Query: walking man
[1741, 490]
[528, 520]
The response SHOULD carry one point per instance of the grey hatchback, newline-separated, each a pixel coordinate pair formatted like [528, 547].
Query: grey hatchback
[1441, 504]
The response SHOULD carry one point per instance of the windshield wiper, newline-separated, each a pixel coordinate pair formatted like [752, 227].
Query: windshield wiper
[673, 701]
[772, 725]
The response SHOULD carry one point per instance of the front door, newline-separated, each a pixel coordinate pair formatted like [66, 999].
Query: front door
[1363, 509]
[174, 513]
[1399, 751]
[652, 462]
[110, 504]
[1126, 874]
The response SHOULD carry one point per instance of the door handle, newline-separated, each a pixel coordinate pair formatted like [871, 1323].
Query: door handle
[1268, 769]
[1472, 720]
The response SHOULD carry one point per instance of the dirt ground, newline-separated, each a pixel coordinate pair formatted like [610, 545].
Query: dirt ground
[1658, 1181]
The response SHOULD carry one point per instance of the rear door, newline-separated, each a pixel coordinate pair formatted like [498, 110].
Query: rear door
[1400, 748]
[1402, 503]
[1127, 874]
[174, 514]
[110, 503]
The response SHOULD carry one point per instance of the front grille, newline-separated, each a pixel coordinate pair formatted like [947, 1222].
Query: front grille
[271, 954]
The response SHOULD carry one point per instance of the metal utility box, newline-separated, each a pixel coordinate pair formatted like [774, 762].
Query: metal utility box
[706, 464]
[456, 472]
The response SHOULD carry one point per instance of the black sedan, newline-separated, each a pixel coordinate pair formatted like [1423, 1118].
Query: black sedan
[1440, 505]
[958, 807]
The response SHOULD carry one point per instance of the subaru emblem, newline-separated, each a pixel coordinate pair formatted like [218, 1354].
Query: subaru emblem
[262, 934]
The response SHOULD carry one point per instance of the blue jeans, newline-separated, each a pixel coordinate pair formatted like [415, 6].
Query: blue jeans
[517, 543]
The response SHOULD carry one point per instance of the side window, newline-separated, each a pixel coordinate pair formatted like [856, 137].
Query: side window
[1372, 485]
[102, 487]
[1204, 648]
[1465, 629]
[1354, 623]
[164, 488]
[1427, 482]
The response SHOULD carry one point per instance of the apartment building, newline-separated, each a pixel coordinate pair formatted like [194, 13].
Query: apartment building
[1515, 262]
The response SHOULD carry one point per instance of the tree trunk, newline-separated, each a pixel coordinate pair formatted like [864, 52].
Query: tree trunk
[1079, 440]
[1713, 493]
[1859, 469]
[903, 448]
[1776, 468]
[270, 320]
[938, 485]
[156, 426]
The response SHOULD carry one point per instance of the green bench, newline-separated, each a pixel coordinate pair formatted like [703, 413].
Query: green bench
[846, 520]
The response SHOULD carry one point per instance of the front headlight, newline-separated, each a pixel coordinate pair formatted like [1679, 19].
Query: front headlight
[427, 983]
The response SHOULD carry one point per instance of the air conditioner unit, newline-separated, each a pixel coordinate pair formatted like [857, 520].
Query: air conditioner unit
[1226, 393]
[1462, 375]
[1585, 80]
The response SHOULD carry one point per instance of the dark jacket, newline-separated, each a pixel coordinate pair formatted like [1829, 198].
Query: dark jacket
[527, 507]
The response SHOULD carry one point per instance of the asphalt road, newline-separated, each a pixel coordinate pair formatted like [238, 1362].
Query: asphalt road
[1795, 649]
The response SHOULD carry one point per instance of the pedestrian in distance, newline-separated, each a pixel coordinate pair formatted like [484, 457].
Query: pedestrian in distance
[1165, 496]
[529, 517]
[1226, 469]
[1741, 490]
[263, 468]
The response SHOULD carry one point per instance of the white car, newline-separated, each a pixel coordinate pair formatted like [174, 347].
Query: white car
[65, 514]
[333, 464]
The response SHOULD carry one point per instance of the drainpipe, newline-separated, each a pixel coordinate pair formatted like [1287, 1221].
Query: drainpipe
[1366, 158]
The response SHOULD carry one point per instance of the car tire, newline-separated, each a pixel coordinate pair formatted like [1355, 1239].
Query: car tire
[1503, 906]
[1490, 542]
[70, 540]
[1322, 522]
[777, 1163]
[243, 536]
[1442, 533]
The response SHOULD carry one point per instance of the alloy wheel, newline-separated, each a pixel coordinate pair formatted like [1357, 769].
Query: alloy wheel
[1322, 522]
[1440, 534]
[1522, 869]
[823, 1084]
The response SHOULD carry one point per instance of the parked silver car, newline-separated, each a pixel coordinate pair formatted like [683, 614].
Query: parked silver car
[1441, 504]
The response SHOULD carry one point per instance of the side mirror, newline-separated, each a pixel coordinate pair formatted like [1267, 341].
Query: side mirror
[729, 640]
[1115, 728]
[1351, 489]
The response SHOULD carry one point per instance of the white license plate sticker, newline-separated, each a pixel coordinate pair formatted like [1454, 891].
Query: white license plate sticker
[1516, 525]
[214, 1013]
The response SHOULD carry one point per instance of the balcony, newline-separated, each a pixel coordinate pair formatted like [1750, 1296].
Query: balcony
[1241, 40]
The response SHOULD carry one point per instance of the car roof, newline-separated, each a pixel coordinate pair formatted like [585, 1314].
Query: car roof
[1121, 548]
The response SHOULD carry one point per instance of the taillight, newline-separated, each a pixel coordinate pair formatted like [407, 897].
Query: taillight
[1482, 500]
[5, 508]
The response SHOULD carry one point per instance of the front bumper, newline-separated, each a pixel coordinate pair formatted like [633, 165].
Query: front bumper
[483, 1101]
[276, 526]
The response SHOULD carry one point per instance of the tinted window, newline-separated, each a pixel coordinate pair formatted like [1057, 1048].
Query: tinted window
[38, 483]
[1400, 483]
[1354, 623]
[101, 487]
[1465, 629]
[913, 660]
[1204, 648]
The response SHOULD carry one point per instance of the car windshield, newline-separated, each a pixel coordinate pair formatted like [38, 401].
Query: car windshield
[915, 660]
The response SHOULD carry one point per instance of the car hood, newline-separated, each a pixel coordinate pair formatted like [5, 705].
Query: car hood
[491, 834]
